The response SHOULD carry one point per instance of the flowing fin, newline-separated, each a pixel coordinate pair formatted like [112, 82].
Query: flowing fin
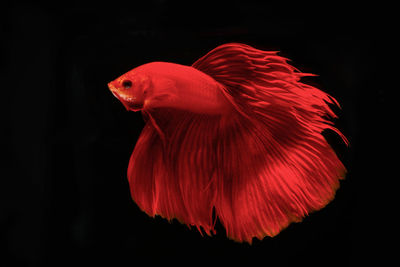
[176, 180]
[276, 167]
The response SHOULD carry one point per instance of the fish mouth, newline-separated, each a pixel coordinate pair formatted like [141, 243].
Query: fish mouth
[130, 103]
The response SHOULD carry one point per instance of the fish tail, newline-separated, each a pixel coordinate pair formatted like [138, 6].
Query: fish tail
[274, 164]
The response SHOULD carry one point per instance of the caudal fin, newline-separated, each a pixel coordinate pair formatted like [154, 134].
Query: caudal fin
[274, 165]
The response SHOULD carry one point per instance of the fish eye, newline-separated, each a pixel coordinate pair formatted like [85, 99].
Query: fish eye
[127, 84]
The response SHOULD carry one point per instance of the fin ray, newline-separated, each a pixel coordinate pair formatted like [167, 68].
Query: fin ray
[290, 169]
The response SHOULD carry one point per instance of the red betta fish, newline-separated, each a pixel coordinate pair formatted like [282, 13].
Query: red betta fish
[235, 136]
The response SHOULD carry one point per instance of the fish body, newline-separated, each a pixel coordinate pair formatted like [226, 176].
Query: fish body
[236, 136]
[170, 85]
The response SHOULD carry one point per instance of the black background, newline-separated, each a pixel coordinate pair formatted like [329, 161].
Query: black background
[64, 194]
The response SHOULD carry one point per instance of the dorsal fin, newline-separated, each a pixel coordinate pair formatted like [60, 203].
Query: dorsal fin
[253, 79]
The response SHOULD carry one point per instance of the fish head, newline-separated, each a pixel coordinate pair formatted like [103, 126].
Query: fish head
[131, 89]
